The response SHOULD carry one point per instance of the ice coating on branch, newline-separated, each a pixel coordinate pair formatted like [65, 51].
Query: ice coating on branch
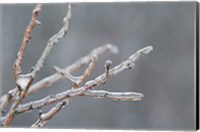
[146, 50]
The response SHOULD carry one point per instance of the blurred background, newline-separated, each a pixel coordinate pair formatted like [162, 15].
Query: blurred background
[165, 76]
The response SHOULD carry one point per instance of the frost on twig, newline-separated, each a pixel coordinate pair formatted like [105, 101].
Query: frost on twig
[24, 83]
[77, 81]
[86, 89]
[80, 91]
[119, 96]
[27, 37]
[6, 99]
[52, 41]
[87, 72]
[46, 117]
[66, 74]
[48, 81]
[17, 66]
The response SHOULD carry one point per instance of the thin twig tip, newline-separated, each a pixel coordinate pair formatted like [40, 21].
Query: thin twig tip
[140, 95]
[146, 50]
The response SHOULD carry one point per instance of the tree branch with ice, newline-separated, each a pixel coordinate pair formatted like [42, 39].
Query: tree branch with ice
[81, 87]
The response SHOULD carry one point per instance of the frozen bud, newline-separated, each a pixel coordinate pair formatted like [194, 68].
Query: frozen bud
[40, 111]
[108, 63]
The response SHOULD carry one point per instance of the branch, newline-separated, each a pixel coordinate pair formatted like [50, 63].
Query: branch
[52, 41]
[108, 64]
[17, 66]
[27, 37]
[21, 82]
[69, 76]
[87, 72]
[45, 118]
[88, 85]
[6, 99]
[48, 81]
[118, 96]
[24, 82]
[77, 83]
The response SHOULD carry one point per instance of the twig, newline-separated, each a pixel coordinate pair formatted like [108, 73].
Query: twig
[88, 85]
[17, 66]
[48, 81]
[40, 63]
[52, 41]
[45, 118]
[27, 37]
[6, 99]
[118, 96]
[87, 72]
[24, 81]
[77, 83]
[108, 64]
[66, 74]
